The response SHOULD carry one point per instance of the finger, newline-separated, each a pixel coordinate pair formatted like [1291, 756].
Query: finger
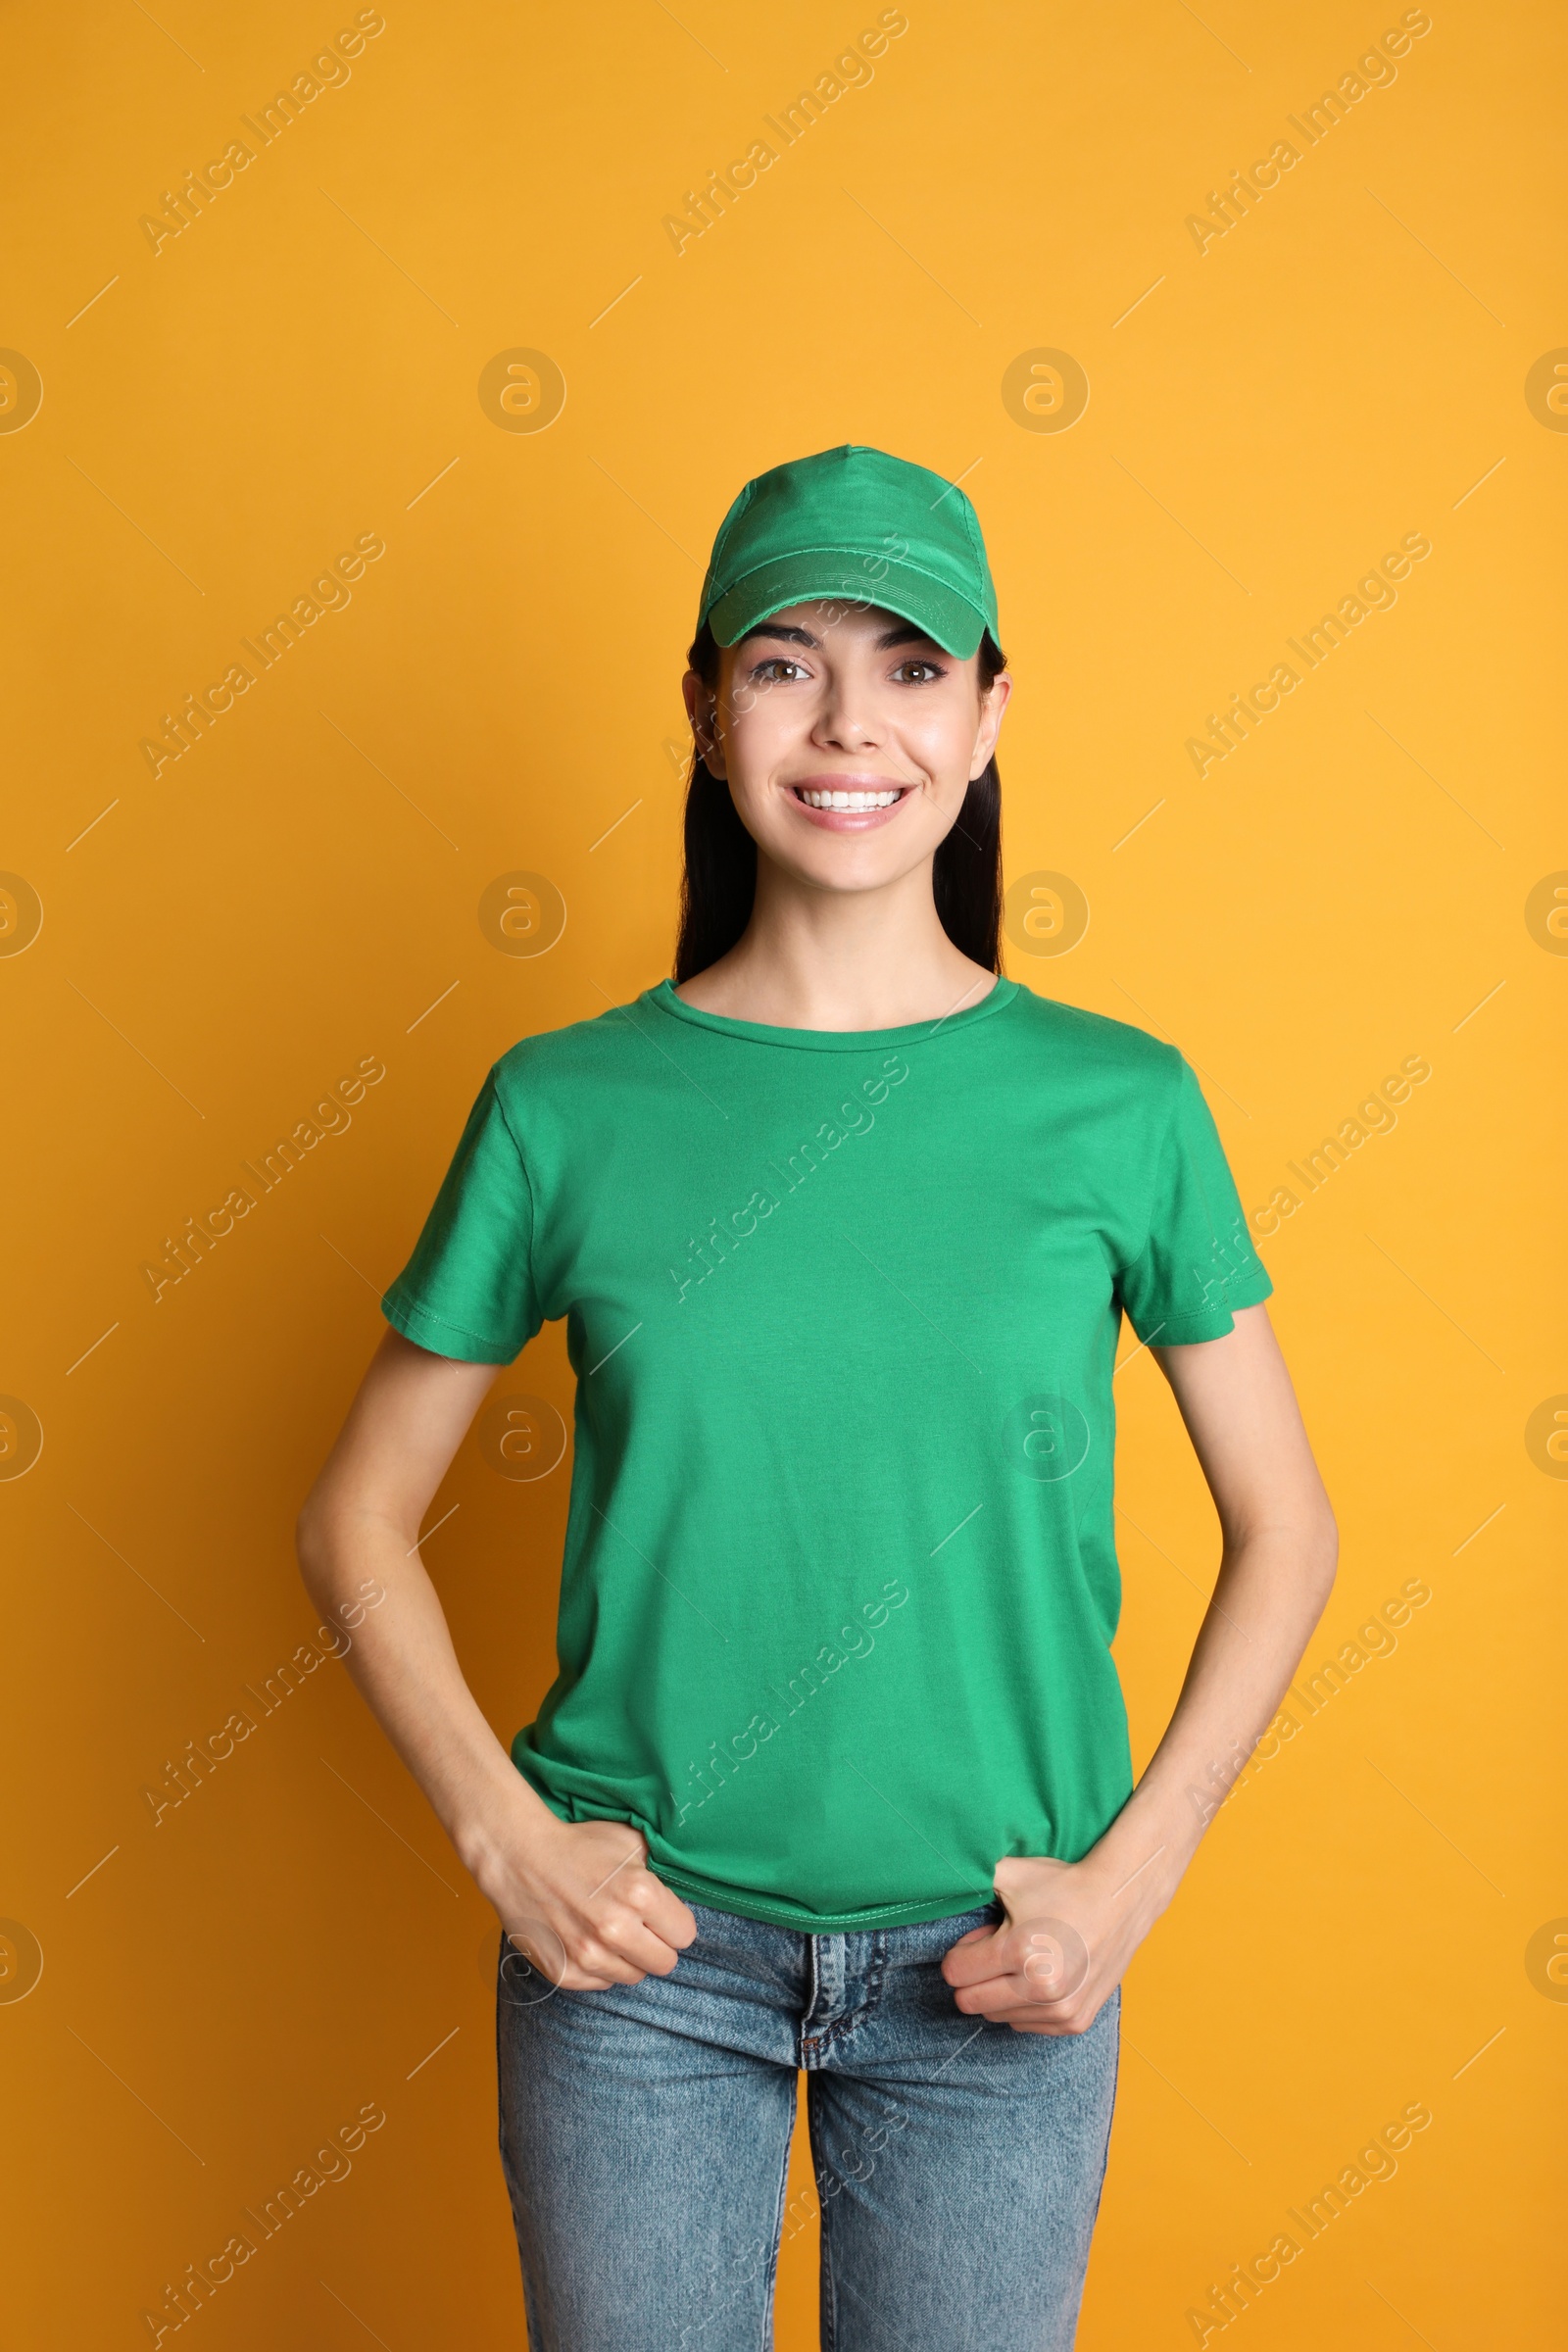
[599, 1959]
[993, 1993]
[626, 1939]
[1074, 2017]
[1003, 1997]
[646, 1951]
[981, 1967]
[580, 1979]
[974, 1957]
[982, 2000]
[643, 1898]
[636, 1853]
[664, 1911]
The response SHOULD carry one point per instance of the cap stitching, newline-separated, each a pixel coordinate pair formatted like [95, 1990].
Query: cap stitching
[900, 563]
[831, 547]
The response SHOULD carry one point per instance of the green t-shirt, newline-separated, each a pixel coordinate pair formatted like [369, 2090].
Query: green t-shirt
[840, 1577]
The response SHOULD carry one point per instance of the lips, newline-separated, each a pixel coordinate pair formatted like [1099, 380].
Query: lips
[843, 804]
[854, 798]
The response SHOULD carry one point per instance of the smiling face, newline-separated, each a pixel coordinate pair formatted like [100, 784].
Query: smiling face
[848, 738]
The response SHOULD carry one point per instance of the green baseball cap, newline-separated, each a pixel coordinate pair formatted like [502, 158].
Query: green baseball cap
[853, 523]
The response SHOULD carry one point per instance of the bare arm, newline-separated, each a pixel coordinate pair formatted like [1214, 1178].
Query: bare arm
[1277, 1563]
[579, 1897]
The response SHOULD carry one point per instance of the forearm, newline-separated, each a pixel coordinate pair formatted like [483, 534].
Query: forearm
[1271, 1591]
[405, 1665]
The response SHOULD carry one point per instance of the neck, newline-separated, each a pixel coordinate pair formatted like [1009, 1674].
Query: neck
[834, 960]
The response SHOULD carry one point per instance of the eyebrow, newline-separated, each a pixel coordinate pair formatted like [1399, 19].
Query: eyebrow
[902, 633]
[786, 636]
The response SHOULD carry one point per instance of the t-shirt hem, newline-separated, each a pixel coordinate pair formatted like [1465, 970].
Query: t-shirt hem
[439, 1337]
[772, 1911]
[774, 1914]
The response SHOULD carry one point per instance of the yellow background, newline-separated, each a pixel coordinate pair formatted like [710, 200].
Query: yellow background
[295, 370]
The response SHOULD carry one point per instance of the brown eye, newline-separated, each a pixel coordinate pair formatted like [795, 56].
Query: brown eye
[928, 668]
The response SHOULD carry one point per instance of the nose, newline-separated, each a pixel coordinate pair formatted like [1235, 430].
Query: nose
[844, 724]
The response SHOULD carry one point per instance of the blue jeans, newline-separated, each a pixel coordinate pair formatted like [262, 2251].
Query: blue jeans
[645, 2137]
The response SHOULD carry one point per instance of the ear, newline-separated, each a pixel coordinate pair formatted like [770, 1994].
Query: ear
[993, 703]
[701, 710]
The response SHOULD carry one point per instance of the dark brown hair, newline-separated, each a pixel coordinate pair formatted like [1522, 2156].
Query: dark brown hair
[719, 881]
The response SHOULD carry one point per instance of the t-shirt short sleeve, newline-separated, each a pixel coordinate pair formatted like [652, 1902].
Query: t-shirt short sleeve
[1197, 1263]
[468, 1291]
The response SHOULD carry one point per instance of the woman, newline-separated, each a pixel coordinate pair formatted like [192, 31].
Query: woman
[834, 1776]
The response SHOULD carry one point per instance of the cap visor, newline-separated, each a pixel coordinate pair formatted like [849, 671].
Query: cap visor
[856, 581]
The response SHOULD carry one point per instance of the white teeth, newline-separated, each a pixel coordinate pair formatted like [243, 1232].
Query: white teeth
[850, 800]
